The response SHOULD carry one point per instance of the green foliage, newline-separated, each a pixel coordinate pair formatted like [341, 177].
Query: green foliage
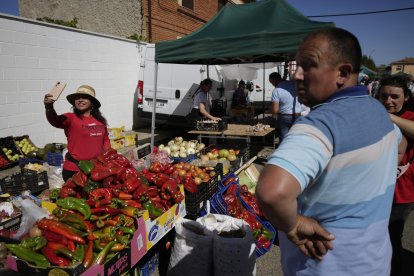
[368, 62]
[73, 23]
[137, 37]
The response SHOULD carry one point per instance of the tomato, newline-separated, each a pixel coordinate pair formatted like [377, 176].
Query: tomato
[182, 172]
[187, 166]
[198, 180]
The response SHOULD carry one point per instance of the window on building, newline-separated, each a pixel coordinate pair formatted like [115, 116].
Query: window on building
[189, 4]
[398, 67]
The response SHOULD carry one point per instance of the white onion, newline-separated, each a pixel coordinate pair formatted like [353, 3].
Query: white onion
[160, 147]
[183, 154]
[170, 143]
[190, 151]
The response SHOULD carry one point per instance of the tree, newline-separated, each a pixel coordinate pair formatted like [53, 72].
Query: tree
[368, 62]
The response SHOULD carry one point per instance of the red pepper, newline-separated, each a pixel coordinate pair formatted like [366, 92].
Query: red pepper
[54, 258]
[106, 210]
[60, 248]
[131, 184]
[100, 193]
[190, 185]
[123, 195]
[156, 167]
[88, 259]
[89, 229]
[69, 183]
[178, 197]
[160, 179]
[121, 161]
[140, 192]
[169, 188]
[59, 228]
[53, 237]
[150, 177]
[71, 246]
[169, 168]
[107, 155]
[110, 181]
[67, 191]
[133, 203]
[152, 191]
[80, 179]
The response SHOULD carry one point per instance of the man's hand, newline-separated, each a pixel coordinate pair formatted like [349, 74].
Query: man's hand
[311, 238]
[48, 101]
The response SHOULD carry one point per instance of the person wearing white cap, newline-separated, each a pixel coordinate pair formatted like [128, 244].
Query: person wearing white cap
[85, 127]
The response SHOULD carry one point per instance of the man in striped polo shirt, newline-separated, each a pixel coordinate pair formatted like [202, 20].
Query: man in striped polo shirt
[328, 188]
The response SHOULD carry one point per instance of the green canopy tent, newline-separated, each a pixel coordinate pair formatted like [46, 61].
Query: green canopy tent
[367, 71]
[265, 31]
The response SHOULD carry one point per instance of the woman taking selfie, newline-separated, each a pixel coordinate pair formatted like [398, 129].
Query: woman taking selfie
[85, 127]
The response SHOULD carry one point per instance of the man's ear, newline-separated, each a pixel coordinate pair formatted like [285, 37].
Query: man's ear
[345, 71]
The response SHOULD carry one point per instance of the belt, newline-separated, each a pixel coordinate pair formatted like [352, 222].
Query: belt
[296, 114]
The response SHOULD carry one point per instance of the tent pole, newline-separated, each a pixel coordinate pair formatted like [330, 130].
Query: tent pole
[154, 105]
[264, 89]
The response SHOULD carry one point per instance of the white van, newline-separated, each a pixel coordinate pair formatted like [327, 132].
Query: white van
[177, 83]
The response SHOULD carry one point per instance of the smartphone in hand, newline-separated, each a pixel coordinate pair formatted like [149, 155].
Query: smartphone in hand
[57, 89]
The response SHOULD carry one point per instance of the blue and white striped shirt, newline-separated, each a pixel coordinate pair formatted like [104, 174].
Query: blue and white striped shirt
[344, 156]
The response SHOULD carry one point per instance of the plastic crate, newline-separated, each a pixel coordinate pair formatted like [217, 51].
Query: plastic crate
[219, 206]
[12, 184]
[54, 159]
[226, 180]
[211, 126]
[187, 159]
[16, 183]
[149, 267]
[36, 182]
[9, 163]
[12, 224]
[8, 143]
[17, 139]
[194, 202]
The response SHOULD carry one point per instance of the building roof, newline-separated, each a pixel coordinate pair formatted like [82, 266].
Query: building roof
[404, 60]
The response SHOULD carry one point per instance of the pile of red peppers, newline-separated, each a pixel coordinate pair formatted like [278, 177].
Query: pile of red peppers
[98, 208]
[263, 237]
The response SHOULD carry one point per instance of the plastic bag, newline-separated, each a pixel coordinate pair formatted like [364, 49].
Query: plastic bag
[192, 253]
[31, 213]
[55, 177]
[234, 250]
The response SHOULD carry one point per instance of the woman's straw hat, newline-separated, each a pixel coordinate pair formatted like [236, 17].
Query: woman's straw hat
[84, 90]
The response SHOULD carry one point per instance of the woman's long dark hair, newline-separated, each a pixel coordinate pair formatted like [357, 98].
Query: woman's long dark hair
[95, 112]
[401, 82]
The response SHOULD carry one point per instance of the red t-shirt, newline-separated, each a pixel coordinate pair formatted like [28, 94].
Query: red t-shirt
[404, 189]
[87, 137]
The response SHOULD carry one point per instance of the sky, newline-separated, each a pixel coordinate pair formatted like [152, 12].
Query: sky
[385, 37]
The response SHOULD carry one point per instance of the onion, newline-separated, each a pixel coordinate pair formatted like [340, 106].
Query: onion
[35, 231]
[174, 147]
[160, 147]
[190, 151]
[183, 154]
[178, 139]
[200, 146]
[170, 143]
[167, 149]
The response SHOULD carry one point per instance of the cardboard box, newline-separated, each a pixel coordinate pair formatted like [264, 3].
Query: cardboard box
[130, 138]
[117, 144]
[159, 227]
[116, 132]
[126, 259]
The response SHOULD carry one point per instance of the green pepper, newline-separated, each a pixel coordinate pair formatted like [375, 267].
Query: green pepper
[92, 185]
[256, 233]
[74, 221]
[28, 255]
[126, 230]
[54, 194]
[79, 253]
[75, 204]
[267, 234]
[101, 257]
[77, 231]
[154, 211]
[34, 243]
[86, 166]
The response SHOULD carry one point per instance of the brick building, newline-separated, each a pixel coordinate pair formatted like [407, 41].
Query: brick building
[147, 19]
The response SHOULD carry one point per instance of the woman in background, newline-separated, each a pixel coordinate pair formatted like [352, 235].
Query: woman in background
[397, 99]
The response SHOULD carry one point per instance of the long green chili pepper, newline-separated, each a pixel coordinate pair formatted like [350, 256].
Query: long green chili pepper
[79, 253]
[126, 230]
[28, 255]
[77, 204]
[34, 243]
[101, 257]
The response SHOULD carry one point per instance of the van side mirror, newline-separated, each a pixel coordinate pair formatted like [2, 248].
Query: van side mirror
[177, 93]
